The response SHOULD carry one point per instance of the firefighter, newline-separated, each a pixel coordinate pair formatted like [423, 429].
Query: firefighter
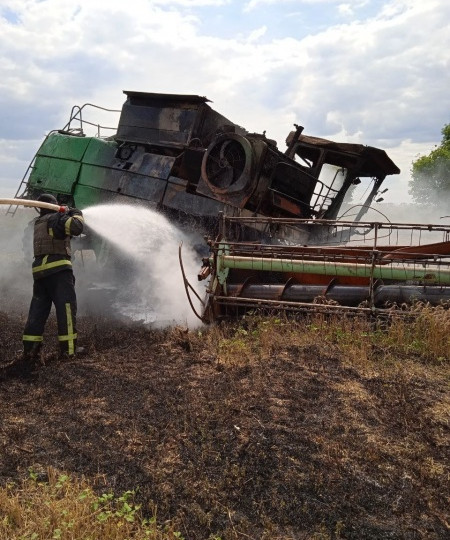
[53, 282]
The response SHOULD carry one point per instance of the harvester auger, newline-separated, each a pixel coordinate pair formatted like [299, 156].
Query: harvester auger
[364, 267]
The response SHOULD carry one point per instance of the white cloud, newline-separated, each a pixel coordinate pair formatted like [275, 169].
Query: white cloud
[345, 9]
[256, 34]
[191, 3]
[380, 81]
[254, 4]
[379, 73]
[15, 157]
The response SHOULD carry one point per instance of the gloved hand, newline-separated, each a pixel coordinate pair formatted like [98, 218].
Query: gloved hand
[74, 212]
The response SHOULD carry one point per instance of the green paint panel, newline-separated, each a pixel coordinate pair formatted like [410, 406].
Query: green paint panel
[100, 152]
[87, 196]
[64, 147]
[55, 175]
[396, 273]
[94, 176]
[57, 163]
[96, 170]
[60, 165]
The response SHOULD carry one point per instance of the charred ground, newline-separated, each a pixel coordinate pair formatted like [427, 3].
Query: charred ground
[259, 429]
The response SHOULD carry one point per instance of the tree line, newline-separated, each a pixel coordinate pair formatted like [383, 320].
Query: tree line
[430, 174]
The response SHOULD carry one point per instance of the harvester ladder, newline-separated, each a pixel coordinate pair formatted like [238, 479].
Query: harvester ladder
[23, 186]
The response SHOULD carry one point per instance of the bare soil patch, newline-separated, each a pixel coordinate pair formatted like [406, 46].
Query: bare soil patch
[293, 443]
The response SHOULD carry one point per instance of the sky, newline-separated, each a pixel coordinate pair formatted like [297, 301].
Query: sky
[374, 72]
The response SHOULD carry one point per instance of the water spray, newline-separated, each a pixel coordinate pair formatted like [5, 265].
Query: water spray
[34, 204]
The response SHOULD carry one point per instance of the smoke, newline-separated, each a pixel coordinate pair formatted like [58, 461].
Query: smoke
[16, 238]
[398, 211]
[137, 269]
[417, 213]
[136, 276]
[406, 213]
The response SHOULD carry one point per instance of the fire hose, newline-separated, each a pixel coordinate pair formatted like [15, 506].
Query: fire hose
[34, 204]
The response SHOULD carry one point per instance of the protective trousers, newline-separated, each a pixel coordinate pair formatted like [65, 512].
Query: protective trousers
[59, 289]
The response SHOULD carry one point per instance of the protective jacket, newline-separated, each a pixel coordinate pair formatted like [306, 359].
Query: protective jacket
[52, 233]
[54, 282]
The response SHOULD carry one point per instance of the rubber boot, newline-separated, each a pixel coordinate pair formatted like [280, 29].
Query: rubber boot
[31, 358]
[79, 351]
[25, 366]
[32, 353]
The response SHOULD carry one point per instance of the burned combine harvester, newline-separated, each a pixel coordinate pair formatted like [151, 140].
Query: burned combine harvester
[275, 239]
[365, 267]
[176, 154]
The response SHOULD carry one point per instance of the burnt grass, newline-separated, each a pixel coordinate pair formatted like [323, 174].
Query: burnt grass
[295, 443]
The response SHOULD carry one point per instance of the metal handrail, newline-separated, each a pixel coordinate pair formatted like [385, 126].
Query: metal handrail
[76, 114]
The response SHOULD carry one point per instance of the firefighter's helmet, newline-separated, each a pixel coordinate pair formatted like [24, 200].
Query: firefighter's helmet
[47, 197]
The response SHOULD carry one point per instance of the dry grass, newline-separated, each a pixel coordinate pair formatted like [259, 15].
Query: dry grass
[427, 336]
[265, 428]
[364, 343]
[53, 505]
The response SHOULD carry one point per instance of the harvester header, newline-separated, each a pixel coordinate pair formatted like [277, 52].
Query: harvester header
[379, 267]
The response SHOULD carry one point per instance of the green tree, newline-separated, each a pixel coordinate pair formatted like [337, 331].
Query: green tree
[430, 181]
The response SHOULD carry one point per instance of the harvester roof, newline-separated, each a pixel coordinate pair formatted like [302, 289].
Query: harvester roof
[372, 161]
[151, 96]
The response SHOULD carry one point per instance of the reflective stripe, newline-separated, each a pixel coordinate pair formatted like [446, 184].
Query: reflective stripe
[68, 337]
[77, 216]
[32, 338]
[48, 266]
[50, 232]
[71, 336]
[67, 226]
